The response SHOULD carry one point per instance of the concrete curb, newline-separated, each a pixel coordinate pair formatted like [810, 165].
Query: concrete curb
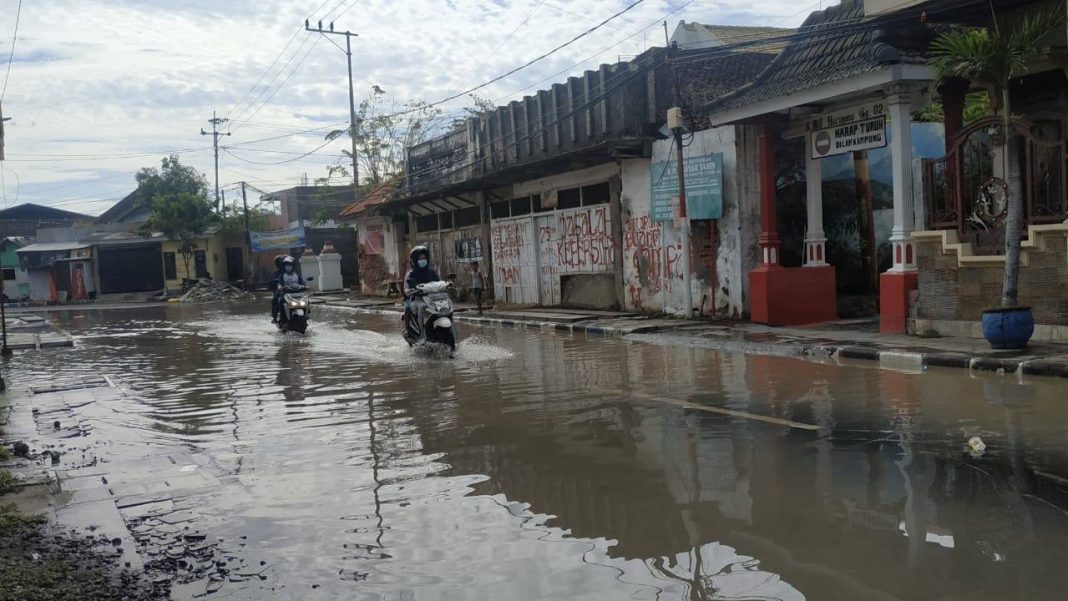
[889, 357]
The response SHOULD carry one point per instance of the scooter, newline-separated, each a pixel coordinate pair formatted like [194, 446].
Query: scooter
[295, 310]
[436, 328]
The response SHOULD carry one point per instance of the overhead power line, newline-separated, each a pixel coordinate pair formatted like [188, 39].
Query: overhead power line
[11, 56]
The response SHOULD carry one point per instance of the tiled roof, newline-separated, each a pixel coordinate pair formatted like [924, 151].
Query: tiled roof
[833, 44]
[375, 197]
[698, 35]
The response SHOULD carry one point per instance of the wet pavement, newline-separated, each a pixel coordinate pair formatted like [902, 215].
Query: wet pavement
[544, 465]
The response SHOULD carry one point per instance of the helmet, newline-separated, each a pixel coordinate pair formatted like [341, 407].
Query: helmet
[288, 261]
[416, 252]
[282, 259]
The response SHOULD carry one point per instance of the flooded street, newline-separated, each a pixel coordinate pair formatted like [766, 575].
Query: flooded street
[540, 465]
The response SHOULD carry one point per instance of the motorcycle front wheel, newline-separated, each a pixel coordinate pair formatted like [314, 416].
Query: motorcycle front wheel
[298, 324]
[443, 336]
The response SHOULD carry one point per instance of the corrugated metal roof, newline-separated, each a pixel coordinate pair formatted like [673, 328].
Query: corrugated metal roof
[52, 247]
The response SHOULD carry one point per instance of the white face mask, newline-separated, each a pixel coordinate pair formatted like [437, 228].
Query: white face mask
[289, 269]
[422, 263]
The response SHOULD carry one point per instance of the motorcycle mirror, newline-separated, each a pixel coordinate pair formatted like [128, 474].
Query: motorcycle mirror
[451, 276]
[309, 278]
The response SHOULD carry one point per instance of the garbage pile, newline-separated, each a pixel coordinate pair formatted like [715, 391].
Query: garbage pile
[206, 291]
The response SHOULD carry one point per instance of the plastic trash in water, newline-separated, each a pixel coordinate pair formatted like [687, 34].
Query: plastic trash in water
[976, 445]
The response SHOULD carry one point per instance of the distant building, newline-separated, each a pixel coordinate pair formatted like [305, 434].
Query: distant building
[24, 219]
[131, 209]
[695, 36]
[16, 282]
[316, 206]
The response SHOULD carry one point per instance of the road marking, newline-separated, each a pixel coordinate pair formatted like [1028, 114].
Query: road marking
[720, 410]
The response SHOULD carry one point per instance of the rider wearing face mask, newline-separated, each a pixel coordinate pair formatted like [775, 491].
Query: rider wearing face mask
[285, 276]
[420, 273]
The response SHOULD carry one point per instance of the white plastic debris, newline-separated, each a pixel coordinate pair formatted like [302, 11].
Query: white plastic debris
[976, 444]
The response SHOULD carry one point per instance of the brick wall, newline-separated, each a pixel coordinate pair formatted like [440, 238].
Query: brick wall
[950, 292]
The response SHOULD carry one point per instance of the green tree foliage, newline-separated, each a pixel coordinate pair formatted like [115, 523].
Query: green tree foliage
[991, 57]
[976, 106]
[171, 179]
[232, 222]
[180, 207]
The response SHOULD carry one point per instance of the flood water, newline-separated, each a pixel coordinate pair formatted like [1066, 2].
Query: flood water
[540, 465]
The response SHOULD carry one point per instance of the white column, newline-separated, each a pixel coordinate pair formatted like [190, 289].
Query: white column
[815, 240]
[904, 254]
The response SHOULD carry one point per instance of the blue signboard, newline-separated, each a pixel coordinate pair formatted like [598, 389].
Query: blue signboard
[284, 239]
[704, 188]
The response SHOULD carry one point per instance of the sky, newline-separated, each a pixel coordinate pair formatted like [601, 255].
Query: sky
[99, 89]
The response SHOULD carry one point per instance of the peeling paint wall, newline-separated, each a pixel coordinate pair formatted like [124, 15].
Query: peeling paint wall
[376, 270]
[652, 252]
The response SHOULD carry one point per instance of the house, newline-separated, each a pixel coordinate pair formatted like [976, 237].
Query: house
[16, 279]
[382, 253]
[311, 206]
[959, 242]
[132, 209]
[552, 192]
[24, 219]
[213, 258]
[58, 271]
[842, 88]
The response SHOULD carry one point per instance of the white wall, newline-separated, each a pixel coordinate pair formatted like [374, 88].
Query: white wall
[532, 252]
[652, 265]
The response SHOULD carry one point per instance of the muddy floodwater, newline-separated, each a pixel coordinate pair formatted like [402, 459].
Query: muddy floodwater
[541, 465]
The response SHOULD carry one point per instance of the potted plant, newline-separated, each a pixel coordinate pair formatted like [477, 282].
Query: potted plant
[992, 57]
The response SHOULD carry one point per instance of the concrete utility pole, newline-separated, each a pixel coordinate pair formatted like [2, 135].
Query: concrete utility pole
[215, 121]
[352, 98]
[675, 124]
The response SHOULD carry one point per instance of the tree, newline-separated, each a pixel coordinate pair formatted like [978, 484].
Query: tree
[991, 57]
[180, 208]
[172, 179]
[182, 218]
[232, 222]
[383, 133]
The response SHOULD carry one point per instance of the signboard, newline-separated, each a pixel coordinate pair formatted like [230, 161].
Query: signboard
[704, 188]
[284, 239]
[858, 128]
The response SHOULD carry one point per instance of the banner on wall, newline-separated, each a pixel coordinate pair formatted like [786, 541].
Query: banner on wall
[704, 188]
[283, 239]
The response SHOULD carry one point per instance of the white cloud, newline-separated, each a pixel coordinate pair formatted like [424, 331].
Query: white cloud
[106, 78]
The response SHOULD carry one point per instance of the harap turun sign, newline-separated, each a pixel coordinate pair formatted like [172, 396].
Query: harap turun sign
[857, 128]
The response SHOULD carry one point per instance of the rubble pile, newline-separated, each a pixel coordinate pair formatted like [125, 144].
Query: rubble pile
[205, 291]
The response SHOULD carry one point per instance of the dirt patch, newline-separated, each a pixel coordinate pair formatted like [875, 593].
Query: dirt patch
[40, 562]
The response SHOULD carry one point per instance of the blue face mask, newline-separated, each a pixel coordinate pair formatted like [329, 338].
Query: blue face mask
[289, 269]
[422, 263]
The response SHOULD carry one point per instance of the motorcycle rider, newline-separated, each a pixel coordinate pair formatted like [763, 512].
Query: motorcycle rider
[285, 276]
[420, 273]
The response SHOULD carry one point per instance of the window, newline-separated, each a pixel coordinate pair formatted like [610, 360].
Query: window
[569, 199]
[595, 194]
[467, 217]
[426, 223]
[499, 210]
[9, 274]
[446, 221]
[520, 206]
[170, 266]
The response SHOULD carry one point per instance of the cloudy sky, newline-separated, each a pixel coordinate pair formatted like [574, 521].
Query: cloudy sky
[99, 89]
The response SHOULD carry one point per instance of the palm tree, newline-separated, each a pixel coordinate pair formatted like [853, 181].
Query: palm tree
[992, 57]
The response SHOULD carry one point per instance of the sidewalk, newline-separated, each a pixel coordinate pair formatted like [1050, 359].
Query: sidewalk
[841, 340]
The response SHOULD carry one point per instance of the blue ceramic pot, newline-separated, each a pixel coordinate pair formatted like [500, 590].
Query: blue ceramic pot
[1008, 328]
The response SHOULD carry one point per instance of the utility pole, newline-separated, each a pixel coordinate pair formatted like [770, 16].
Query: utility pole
[352, 98]
[675, 124]
[215, 121]
[4, 350]
[251, 283]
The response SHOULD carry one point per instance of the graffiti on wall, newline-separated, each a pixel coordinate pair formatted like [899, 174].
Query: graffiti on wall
[585, 241]
[506, 242]
[655, 264]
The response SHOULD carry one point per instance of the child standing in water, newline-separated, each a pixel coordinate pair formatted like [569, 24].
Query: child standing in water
[476, 285]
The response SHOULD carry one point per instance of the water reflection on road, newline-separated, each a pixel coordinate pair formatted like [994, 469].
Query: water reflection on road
[537, 466]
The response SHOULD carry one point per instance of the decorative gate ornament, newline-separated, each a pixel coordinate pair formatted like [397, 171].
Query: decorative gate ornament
[993, 202]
